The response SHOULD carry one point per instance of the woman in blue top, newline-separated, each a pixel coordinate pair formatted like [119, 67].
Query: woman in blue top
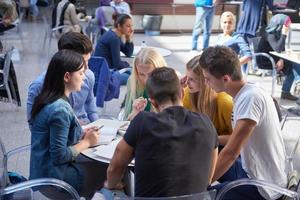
[115, 40]
[233, 40]
[56, 136]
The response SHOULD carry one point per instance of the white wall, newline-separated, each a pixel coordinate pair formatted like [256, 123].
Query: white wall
[183, 1]
[176, 22]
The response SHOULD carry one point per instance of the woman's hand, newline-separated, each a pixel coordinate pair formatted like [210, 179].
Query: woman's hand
[183, 81]
[279, 65]
[137, 106]
[91, 136]
[129, 37]
[285, 30]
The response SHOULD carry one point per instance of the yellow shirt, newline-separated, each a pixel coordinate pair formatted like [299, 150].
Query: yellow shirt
[222, 118]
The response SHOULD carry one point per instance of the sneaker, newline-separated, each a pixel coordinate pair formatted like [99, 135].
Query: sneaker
[288, 95]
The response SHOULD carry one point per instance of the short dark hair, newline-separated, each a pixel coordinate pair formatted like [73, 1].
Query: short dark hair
[76, 42]
[163, 85]
[120, 19]
[220, 61]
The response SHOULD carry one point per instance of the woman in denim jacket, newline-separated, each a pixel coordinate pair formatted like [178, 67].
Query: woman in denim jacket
[56, 137]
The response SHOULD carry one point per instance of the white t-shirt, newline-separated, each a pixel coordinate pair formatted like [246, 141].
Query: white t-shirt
[263, 156]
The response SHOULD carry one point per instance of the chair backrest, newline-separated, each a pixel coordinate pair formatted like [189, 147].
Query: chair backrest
[6, 66]
[9, 190]
[258, 183]
[208, 195]
[107, 83]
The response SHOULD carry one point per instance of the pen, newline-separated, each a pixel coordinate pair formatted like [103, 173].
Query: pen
[98, 127]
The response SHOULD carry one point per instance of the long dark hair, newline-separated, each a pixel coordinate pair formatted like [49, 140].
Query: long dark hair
[54, 87]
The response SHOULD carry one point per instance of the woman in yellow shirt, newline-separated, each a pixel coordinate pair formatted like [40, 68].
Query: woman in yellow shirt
[199, 97]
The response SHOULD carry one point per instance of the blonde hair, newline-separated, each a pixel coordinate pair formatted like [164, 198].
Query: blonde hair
[204, 101]
[135, 89]
[227, 14]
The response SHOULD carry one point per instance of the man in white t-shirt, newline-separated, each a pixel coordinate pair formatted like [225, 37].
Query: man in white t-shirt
[256, 135]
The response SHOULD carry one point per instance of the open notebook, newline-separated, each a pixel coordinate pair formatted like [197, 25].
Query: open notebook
[106, 152]
[109, 129]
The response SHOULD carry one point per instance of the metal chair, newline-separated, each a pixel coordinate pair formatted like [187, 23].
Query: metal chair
[24, 190]
[259, 183]
[208, 195]
[49, 32]
[254, 43]
[4, 85]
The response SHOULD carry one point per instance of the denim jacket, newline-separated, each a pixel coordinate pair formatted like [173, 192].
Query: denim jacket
[55, 130]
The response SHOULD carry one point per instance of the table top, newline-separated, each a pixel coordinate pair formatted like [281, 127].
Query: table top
[162, 51]
[293, 56]
[233, 2]
[295, 26]
[103, 153]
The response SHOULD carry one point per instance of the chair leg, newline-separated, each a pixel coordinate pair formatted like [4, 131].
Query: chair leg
[13, 91]
[45, 40]
[8, 93]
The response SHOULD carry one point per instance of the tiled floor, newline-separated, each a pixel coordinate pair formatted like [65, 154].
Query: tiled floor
[33, 60]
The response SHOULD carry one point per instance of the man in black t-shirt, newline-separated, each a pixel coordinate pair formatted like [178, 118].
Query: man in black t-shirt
[175, 150]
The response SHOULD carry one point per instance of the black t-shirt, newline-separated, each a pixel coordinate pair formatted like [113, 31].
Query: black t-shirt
[172, 152]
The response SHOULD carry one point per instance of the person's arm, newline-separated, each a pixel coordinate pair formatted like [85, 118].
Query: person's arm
[123, 155]
[90, 103]
[33, 91]
[244, 59]
[117, 63]
[245, 50]
[59, 125]
[228, 155]
[223, 139]
[127, 47]
[240, 46]
[277, 45]
[214, 158]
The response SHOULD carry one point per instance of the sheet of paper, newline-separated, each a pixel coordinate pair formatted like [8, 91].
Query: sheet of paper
[107, 151]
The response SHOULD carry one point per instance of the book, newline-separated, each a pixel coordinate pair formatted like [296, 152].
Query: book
[109, 129]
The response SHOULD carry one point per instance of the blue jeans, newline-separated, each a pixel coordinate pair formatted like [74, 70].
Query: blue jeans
[34, 10]
[111, 194]
[124, 76]
[288, 82]
[245, 192]
[204, 18]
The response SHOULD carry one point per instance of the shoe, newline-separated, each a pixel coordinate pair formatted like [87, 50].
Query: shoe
[288, 95]
[298, 101]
